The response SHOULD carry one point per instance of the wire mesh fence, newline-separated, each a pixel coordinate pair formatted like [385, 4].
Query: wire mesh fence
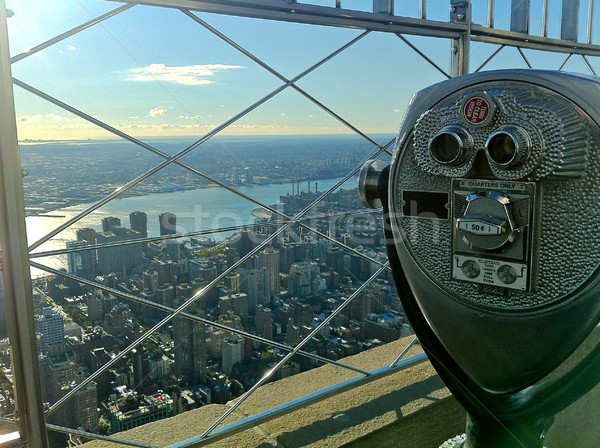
[246, 258]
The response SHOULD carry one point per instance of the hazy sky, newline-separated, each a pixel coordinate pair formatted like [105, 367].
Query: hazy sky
[153, 71]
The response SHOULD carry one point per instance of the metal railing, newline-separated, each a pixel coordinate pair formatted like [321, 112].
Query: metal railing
[383, 16]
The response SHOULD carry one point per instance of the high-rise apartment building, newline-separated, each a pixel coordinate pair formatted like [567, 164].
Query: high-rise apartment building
[109, 223]
[150, 280]
[168, 223]
[189, 338]
[232, 352]
[95, 304]
[49, 327]
[304, 279]
[264, 322]
[81, 263]
[115, 259]
[234, 303]
[86, 234]
[138, 221]
[232, 282]
[269, 258]
[165, 295]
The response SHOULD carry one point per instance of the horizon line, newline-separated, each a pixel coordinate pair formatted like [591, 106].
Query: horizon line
[180, 137]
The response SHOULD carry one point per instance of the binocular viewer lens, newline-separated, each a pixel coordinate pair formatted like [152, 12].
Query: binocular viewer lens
[508, 147]
[450, 145]
[502, 148]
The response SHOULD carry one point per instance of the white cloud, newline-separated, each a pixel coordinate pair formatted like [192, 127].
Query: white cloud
[157, 112]
[188, 75]
[397, 110]
[71, 47]
[190, 117]
[47, 119]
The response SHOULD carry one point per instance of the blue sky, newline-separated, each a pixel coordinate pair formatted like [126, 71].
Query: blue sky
[154, 72]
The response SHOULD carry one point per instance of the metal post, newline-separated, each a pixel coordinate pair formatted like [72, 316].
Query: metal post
[15, 272]
[460, 12]
[569, 25]
[519, 16]
[590, 23]
[491, 13]
[383, 6]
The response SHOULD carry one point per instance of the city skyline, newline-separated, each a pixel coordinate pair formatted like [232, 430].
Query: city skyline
[278, 294]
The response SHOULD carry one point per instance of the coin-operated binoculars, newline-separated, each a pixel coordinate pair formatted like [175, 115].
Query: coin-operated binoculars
[492, 210]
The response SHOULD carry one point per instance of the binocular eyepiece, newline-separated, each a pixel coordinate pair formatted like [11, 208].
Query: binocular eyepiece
[492, 203]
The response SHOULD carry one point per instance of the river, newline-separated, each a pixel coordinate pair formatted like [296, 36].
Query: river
[201, 209]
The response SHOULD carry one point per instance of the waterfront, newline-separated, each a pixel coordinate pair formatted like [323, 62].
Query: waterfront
[201, 209]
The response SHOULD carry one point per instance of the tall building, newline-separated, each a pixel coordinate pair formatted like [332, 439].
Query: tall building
[202, 269]
[49, 327]
[109, 223]
[138, 221]
[141, 365]
[182, 293]
[86, 405]
[167, 222]
[248, 177]
[150, 279]
[165, 295]
[232, 352]
[335, 260]
[86, 234]
[269, 258]
[173, 249]
[249, 286]
[167, 272]
[210, 298]
[81, 263]
[264, 322]
[62, 374]
[116, 319]
[189, 338]
[235, 303]
[304, 279]
[95, 304]
[115, 259]
[232, 282]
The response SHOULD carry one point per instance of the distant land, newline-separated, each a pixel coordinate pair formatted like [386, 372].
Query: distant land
[62, 174]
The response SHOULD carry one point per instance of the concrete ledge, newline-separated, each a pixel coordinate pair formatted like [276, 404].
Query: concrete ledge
[412, 406]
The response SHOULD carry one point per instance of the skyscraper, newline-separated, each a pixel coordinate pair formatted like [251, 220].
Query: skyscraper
[150, 279]
[114, 259]
[232, 352]
[269, 258]
[264, 322]
[81, 263]
[189, 338]
[50, 328]
[86, 234]
[167, 222]
[138, 221]
[232, 282]
[109, 223]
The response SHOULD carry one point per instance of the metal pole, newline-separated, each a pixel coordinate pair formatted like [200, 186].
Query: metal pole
[460, 12]
[15, 273]
[590, 23]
